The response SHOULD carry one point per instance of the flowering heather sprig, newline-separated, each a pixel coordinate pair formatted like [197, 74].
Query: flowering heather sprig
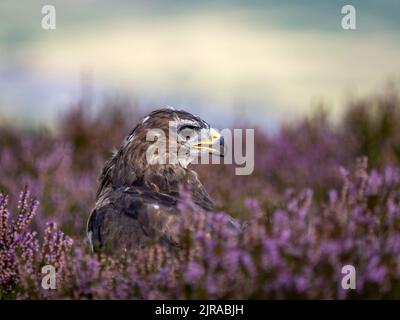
[20, 253]
[4, 216]
[27, 210]
[55, 245]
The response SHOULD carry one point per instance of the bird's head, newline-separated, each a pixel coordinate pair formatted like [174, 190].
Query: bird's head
[159, 149]
[174, 137]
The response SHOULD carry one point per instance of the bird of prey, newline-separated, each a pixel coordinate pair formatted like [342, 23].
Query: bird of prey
[136, 201]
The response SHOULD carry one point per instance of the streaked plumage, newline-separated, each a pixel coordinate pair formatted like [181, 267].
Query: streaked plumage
[136, 201]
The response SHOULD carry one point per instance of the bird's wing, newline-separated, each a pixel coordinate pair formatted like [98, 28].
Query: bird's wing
[130, 217]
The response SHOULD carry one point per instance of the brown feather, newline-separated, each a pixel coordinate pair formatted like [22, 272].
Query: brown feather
[136, 203]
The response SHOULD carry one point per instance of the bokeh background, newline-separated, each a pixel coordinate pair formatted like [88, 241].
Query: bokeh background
[262, 60]
[325, 103]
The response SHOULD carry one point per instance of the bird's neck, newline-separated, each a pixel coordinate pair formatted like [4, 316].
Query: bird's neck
[164, 178]
[167, 179]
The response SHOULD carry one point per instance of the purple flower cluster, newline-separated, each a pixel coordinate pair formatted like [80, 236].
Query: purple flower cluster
[21, 253]
[309, 209]
[297, 251]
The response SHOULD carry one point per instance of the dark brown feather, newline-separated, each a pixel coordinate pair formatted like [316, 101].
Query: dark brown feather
[136, 203]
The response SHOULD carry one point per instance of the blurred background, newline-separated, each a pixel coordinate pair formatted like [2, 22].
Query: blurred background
[320, 98]
[263, 61]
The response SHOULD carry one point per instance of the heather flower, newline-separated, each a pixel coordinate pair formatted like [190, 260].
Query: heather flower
[20, 252]
[309, 209]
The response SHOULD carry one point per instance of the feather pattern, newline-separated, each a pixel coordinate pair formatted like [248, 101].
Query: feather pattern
[136, 203]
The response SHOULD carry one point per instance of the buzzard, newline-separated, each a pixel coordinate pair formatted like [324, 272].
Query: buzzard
[136, 201]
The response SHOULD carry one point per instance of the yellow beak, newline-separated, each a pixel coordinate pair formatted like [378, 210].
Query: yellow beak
[212, 140]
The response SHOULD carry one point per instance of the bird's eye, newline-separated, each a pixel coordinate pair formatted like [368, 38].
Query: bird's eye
[187, 131]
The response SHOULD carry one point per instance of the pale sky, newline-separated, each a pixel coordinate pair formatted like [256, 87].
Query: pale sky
[264, 60]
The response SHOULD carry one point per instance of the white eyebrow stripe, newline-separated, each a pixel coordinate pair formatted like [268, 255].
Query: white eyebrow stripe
[145, 119]
[188, 122]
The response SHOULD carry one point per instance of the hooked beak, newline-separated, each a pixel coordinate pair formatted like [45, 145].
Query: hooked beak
[212, 141]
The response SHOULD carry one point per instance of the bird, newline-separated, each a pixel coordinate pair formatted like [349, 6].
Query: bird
[140, 185]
